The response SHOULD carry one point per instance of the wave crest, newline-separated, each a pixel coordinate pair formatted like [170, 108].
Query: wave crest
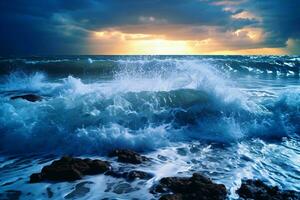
[141, 108]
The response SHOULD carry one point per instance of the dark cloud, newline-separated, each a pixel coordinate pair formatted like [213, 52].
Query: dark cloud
[280, 20]
[62, 26]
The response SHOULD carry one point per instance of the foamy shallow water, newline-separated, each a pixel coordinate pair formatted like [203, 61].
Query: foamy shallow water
[227, 117]
[275, 163]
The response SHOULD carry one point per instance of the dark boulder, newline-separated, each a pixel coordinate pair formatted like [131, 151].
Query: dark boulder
[61, 173]
[184, 188]
[128, 156]
[135, 174]
[36, 177]
[70, 169]
[97, 167]
[114, 174]
[257, 190]
[28, 97]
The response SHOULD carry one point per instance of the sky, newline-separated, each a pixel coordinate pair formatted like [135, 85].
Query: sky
[54, 27]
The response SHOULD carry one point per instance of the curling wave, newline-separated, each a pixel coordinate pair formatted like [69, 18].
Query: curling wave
[144, 105]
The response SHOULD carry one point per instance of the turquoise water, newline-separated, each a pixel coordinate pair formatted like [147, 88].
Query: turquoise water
[229, 117]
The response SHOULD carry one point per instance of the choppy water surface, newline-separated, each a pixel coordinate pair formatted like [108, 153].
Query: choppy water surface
[229, 117]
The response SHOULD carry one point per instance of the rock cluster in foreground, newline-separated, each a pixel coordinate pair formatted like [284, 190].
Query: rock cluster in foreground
[197, 187]
[70, 169]
[256, 189]
[183, 188]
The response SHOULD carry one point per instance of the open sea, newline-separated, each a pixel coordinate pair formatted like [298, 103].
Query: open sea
[229, 117]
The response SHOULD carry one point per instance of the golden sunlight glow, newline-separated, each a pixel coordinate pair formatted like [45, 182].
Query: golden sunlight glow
[117, 42]
[119, 35]
[142, 43]
[255, 34]
[161, 47]
[258, 51]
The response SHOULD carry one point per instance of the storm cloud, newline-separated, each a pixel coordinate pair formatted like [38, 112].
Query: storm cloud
[64, 26]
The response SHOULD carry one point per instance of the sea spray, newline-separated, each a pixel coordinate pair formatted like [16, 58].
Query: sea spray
[148, 104]
[228, 117]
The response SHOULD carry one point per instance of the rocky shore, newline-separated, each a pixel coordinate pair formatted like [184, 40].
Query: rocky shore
[198, 186]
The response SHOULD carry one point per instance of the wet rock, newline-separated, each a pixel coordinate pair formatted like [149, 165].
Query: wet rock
[256, 189]
[96, 166]
[184, 188]
[35, 178]
[128, 156]
[28, 97]
[171, 197]
[61, 173]
[135, 174]
[114, 174]
[70, 169]
[10, 195]
[130, 176]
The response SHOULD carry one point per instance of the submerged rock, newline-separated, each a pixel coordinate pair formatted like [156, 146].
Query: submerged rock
[135, 174]
[130, 176]
[28, 97]
[49, 192]
[114, 174]
[11, 195]
[70, 169]
[256, 189]
[184, 188]
[128, 156]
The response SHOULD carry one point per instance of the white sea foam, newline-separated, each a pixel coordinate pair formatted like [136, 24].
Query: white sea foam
[142, 107]
[186, 114]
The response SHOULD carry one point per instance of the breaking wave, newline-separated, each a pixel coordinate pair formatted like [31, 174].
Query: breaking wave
[146, 104]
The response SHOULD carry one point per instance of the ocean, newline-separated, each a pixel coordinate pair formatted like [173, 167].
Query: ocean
[228, 117]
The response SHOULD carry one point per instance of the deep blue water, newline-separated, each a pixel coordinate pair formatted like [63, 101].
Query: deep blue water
[230, 117]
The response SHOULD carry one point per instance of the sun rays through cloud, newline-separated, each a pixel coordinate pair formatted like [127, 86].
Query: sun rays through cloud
[150, 27]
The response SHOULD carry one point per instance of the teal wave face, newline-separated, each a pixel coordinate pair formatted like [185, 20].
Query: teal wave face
[145, 104]
[230, 117]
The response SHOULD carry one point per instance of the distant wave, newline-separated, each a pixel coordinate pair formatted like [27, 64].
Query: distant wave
[82, 66]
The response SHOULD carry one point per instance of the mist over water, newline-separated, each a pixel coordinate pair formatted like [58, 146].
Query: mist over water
[241, 113]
